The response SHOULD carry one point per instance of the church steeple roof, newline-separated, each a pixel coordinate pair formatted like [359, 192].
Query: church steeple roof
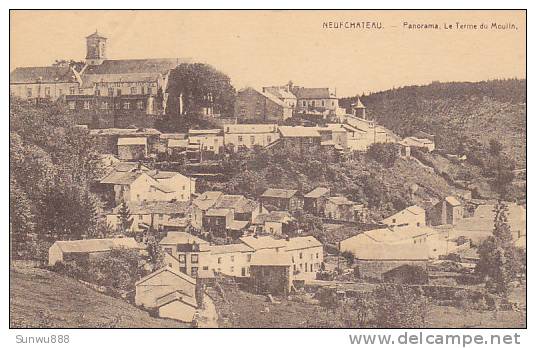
[358, 104]
[95, 35]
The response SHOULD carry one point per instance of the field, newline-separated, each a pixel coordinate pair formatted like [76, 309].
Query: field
[39, 298]
[245, 310]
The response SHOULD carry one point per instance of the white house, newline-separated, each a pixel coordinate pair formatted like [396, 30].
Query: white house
[413, 216]
[206, 139]
[307, 255]
[231, 259]
[183, 186]
[136, 187]
[249, 135]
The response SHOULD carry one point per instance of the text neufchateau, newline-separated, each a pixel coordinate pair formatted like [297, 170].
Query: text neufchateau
[352, 25]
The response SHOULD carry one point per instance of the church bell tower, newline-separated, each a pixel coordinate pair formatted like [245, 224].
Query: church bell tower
[95, 49]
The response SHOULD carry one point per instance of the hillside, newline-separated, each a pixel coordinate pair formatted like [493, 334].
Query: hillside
[462, 115]
[39, 298]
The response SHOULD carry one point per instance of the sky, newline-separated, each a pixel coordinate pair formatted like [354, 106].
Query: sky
[265, 48]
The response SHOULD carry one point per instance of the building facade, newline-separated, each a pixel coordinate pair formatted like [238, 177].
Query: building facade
[255, 105]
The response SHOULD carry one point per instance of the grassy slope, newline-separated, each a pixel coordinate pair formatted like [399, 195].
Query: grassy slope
[39, 298]
[480, 111]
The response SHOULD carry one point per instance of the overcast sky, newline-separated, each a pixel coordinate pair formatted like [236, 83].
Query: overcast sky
[272, 47]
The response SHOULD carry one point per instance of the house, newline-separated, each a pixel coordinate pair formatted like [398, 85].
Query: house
[283, 93]
[276, 223]
[361, 133]
[158, 215]
[281, 199]
[299, 138]
[422, 143]
[448, 211]
[134, 187]
[250, 135]
[129, 149]
[68, 250]
[341, 208]
[201, 204]
[172, 292]
[314, 202]
[217, 220]
[264, 243]
[108, 140]
[174, 144]
[48, 82]
[413, 216]
[231, 259]
[255, 105]
[183, 186]
[208, 142]
[315, 99]
[381, 250]
[270, 272]
[192, 253]
[334, 134]
[307, 256]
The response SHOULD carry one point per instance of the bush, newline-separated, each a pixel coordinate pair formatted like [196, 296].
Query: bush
[385, 154]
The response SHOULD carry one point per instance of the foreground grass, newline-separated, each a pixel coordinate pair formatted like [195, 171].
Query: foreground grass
[39, 298]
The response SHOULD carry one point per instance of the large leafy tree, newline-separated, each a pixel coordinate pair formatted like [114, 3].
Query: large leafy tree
[197, 85]
[52, 165]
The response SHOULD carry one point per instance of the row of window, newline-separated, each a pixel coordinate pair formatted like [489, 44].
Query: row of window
[248, 258]
[313, 103]
[252, 139]
[194, 258]
[140, 105]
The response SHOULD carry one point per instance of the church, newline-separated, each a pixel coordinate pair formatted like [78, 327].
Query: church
[105, 92]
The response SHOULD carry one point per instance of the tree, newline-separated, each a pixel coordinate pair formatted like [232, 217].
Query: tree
[196, 86]
[155, 252]
[125, 219]
[399, 306]
[498, 259]
[495, 147]
[385, 154]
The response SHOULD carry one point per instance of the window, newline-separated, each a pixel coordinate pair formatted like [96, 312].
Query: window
[317, 255]
[252, 138]
[47, 91]
[269, 139]
[332, 103]
[133, 90]
[97, 92]
[418, 224]
[168, 250]
[394, 220]
[301, 255]
[104, 105]
[205, 268]
[304, 103]
[195, 258]
[194, 271]
[182, 269]
[140, 105]
[60, 91]
[161, 216]
[71, 90]
[80, 91]
[232, 258]
[232, 269]
[86, 104]
[271, 230]
[239, 138]
[183, 187]
[126, 105]
[219, 259]
[118, 92]
[140, 217]
[29, 92]
[72, 105]
[182, 258]
[313, 103]
[110, 92]
[248, 257]
[323, 103]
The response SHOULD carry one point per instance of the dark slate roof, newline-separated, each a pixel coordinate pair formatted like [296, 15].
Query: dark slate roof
[44, 74]
[95, 35]
[129, 66]
[312, 93]
[279, 193]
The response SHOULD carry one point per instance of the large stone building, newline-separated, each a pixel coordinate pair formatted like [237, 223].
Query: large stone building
[104, 92]
[255, 105]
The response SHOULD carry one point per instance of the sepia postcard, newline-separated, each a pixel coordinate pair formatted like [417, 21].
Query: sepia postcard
[267, 169]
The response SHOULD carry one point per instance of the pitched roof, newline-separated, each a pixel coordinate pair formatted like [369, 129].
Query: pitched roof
[279, 193]
[279, 92]
[381, 244]
[96, 35]
[250, 128]
[274, 216]
[239, 203]
[157, 208]
[237, 225]
[299, 131]
[166, 269]
[302, 243]
[358, 104]
[121, 178]
[96, 245]
[207, 199]
[129, 166]
[312, 93]
[131, 141]
[182, 238]
[126, 66]
[413, 210]
[90, 80]
[317, 192]
[176, 296]
[271, 259]
[124, 131]
[218, 212]
[163, 174]
[230, 248]
[452, 201]
[43, 74]
[264, 242]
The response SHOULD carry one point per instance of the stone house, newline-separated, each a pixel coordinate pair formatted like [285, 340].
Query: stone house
[192, 253]
[271, 273]
[281, 199]
[252, 104]
[448, 211]
[314, 202]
